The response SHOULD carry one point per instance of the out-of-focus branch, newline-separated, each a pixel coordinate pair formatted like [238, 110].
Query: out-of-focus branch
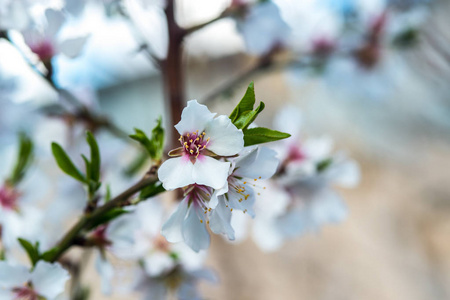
[82, 112]
[265, 62]
[231, 11]
[224, 14]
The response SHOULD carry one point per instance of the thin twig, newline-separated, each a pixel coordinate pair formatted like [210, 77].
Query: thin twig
[69, 239]
[82, 112]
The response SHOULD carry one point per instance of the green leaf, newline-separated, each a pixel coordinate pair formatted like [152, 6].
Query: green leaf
[108, 193]
[155, 145]
[107, 217]
[406, 38]
[82, 293]
[261, 135]
[95, 157]
[247, 118]
[151, 190]
[247, 102]
[142, 138]
[32, 251]
[65, 164]
[157, 140]
[174, 256]
[24, 159]
[87, 163]
[324, 164]
[47, 255]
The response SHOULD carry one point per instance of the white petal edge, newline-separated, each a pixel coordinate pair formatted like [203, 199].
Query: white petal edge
[194, 232]
[259, 163]
[225, 138]
[49, 279]
[220, 220]
[210, 172]
[194, 117]
[12, 275]
[176, 172]
[72, 47]
[171, 230]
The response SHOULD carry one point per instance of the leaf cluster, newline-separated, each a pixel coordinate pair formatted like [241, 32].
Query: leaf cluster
[91, 177]
[244, 115]
[153, 145]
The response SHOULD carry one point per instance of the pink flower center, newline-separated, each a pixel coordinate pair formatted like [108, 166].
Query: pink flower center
[8, 197]
[161, 243]
[25, 293]
[295, 154]
[193, 143]
[199, 196]
[99, 236]
[43, 49]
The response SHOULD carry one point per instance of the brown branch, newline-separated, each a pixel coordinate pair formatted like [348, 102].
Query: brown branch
[72, 236]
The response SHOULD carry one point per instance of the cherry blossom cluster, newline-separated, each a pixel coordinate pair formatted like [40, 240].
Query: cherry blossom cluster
[225, 174]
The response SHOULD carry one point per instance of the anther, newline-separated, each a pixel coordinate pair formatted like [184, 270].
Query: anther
[201, 221]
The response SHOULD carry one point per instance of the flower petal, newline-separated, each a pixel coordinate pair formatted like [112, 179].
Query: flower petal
[49, 279]
[194, 232]
[72, 47]
[318, 148]
[194, 117]
[171, 230]
[345, 173]
[55, 19]
[12, 276]
[261, 163]
[225, 138]
[106, 272]
[176, 172]
[210, 172]
[220, 219]
[158, 263]
[242, 202]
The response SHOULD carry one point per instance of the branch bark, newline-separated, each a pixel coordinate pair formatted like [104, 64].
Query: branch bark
[70, 238]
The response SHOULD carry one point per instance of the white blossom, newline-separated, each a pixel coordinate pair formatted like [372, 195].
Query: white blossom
[45, 280]
[203, 137]
[263, 28]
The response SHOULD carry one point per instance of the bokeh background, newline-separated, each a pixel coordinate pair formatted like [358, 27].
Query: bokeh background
[395, 242]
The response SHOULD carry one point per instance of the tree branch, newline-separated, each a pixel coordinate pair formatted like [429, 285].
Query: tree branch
[82, 112]
[69, 239]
